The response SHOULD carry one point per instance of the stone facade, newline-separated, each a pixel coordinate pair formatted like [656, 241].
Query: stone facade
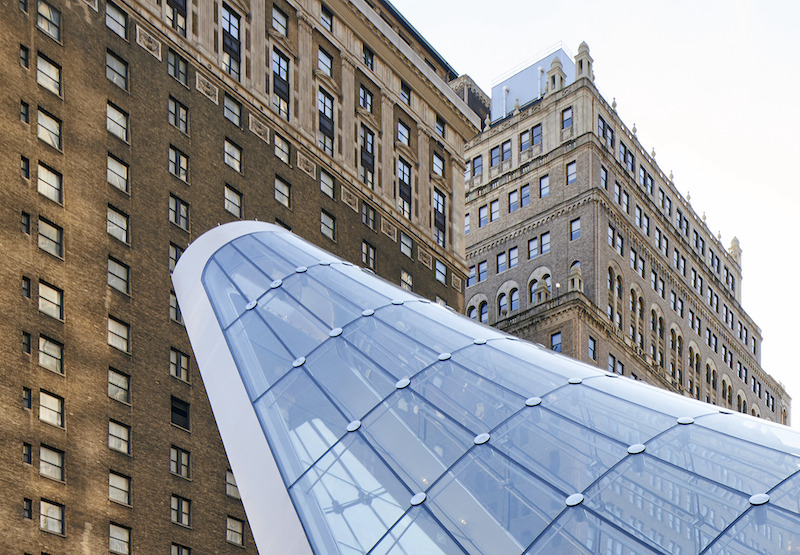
[137, 131]
[577, 240]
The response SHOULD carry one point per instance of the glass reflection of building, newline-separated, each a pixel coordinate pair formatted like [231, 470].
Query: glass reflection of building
[399, 426]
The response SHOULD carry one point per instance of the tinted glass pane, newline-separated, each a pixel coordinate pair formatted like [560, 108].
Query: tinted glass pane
[423, 330]
[296, 250]
[768, 434]
[226, 298]
[652, 397]
[787, 495]
[265, 258]
[300, 330]
[251, 281]
[379, 286]
[417, 532]
[762, 530]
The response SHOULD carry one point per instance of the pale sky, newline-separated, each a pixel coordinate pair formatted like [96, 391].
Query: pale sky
[711, 85]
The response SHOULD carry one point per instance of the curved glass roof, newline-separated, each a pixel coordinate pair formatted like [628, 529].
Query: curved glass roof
[401, 427]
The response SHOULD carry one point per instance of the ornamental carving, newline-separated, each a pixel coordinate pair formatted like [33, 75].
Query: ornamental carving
[148, 42]
[389, 229]
[425, 257]
[305, 164]
[349, 198]
[259, 128]
[206, 87]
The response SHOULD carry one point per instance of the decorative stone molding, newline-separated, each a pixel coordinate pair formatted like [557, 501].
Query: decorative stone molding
[305, 164]
[425, 257]
[455, 281]
[206, 87]
[389, 229]
[148, 42]
[92, 4]
[350, 198]
[259, 128]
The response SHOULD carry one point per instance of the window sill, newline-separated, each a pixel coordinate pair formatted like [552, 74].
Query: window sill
[180, 428]
[115, 502]
[59, 534]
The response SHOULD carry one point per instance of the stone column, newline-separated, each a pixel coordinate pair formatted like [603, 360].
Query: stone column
[387, 149]
[457, 200]
[305, 101]
[422, 197]
[348, 99]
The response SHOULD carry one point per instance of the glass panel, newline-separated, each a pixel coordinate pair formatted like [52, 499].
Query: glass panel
[724, 459]
[418, 441]
[263, 257]
[454, 321]
[300, 421]
[515, 374]
[767, 434]
[664, 506]
[423, 330]
[579, 532]
[787, 495]
[479, 404]
[561, 365]
[417, 533]
[249, 279]
[491, 505]
[614, 417]
[298, 329]
[260, 357]
[397, 354]
[297, 251]
[762, 530]
[379, 286]
[349, 499]
[227, 300]
[354, 382]
[652, 397]
[567, 455]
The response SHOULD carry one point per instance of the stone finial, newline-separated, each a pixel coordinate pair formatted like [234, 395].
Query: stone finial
[575, 278]
[516, 106]
[556, 78]
[689, 197]
[653, 153]
[736, 251]
[671, 178]
[704, 216]
[614, 103]
[583, 63]
[719, 235]
[487, 121]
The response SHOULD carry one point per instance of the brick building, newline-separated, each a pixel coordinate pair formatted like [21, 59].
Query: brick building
[130, 128]
[579, 241]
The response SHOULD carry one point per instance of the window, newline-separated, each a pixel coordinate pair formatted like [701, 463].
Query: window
[174, 310]
[117, 173]
[179, 462]
[514, 300]
[326, 128]
[48, 19]
[477, 166]
[118, 334]
[49, 183]
[282, 149]
[324, 62]
[234, 531]
[233, 201]
[24, 56]
[280, 22]
[175, 253]
[471, 276]
[118, 275]
[501, 262]
[494, 210]
[405, 244]
[178, 115]
[180, 413]
[116, 20]
[404, 187]
[178, 67]
[368, 255]
[506, 151]
[119, 386]
[513, 201]
[438, 165]
[176, 16]
[533, 247]
[405, 93]
[482, 267]
[326, 183]
[524, 141]
[26, 453]
[365, 99]
[368, 215]
[116, 71]
[230, 486]
[179, 365]
[406, 281]
[51, 237]
[116, 224]
[545, 243]
[440, 126]
[513, 257]
[233, 155]
[51, 354]
[180, 550]
[51, 515]
[483, 312]
[566, 118]
[179, 213]
[119, 488]
[181, 510]
[575, 229]
[117, 122]
[24, 112]
[230, 42]
[572, 173]
[483, 216]
[403, 133]
[327, 225]
[367, 156]
[232, 110]
[440, 271]
[604, 178]
[26, 287]
[27, 509]
[439, 217]
[119, 539]
[27, 398]
[51, 409]
[283, 192]
[119, 437]
[51, 463]
[544, 186]
[49, 129]
[555, 342]
[51, 301]
[466, 223]
[592, 348]
[368, 57]
[326, 18]
[280, 83]
[48, 74]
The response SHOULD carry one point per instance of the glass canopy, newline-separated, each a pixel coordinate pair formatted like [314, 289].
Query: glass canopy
[401, 427]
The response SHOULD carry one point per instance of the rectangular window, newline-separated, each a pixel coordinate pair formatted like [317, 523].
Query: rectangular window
[117, 224]
[403, 133]
[604, 178]
[545, 243]
[26, 287]
[51, 463]
[179, 365]
[477, 166]
[544, 186]
[501, 262]
[533, 247]
[513, 201]
[233, 201]
[572, 173]
[119, 386]
[506, 151]
[175, 253]
[119, 539]
[180, 413]
[174, 310]
[326, 18]
[471, 276]
[119, 488]
[51, 409]
[179, 462]
[233, 155]
[51, 515]
[367, 156]
[51, 301]
[26, 453]
[48, 19]
[180, 550]
[575, 229]
[524, 196]
[117, 71]
[513, 257]
[440, 126]
[119, 437]
[405, 93]
[368, 255]
[324, 62]
[326, 184]
[566, 118]
[116, 20]
[231, 490]
[466, 223]
[524, 141]
[283, 192]
[176, 16]
[178, 115]
[555, 342]
[483, 216]
[27, 398]
[179, 213]
[49, 129]
[405, 244]
[592, 348]
[326, 127]
[494, 210]
[280, 84]
[365, 99]
[24, 56]
[232, 110]
[234, 531]
[282, 149]
[178, 67]
[368, 57]
[49, 183]
[51, 354]
[404, 187]
[327, 225]
[280, 22]
[438, 165]
[27, 509]
[117, 122]
[439, 217]
[230, 41]
[24, 112]
[367, 215]
[118, 275]
[48, 74]
[117, 173]
[181, 510]
[440, 271]
[119, 334]
[482, 267]
[406, 281]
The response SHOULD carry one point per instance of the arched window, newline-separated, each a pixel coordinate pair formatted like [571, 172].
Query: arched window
[633, 301]
[714, 380]
[502, 305]
[532, 289]
[680, 346]
[724, 390]
[610, 279]
[672, 340]
[708, 374]
[484, 310]
[661, 328]
[619, 287]
[472, 313]
[514, 296]
[641, 308]
[730, 394]
[546, 279]
[653, 320]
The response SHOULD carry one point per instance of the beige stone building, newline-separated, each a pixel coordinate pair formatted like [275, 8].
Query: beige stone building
[128, 129]
[577, 240]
